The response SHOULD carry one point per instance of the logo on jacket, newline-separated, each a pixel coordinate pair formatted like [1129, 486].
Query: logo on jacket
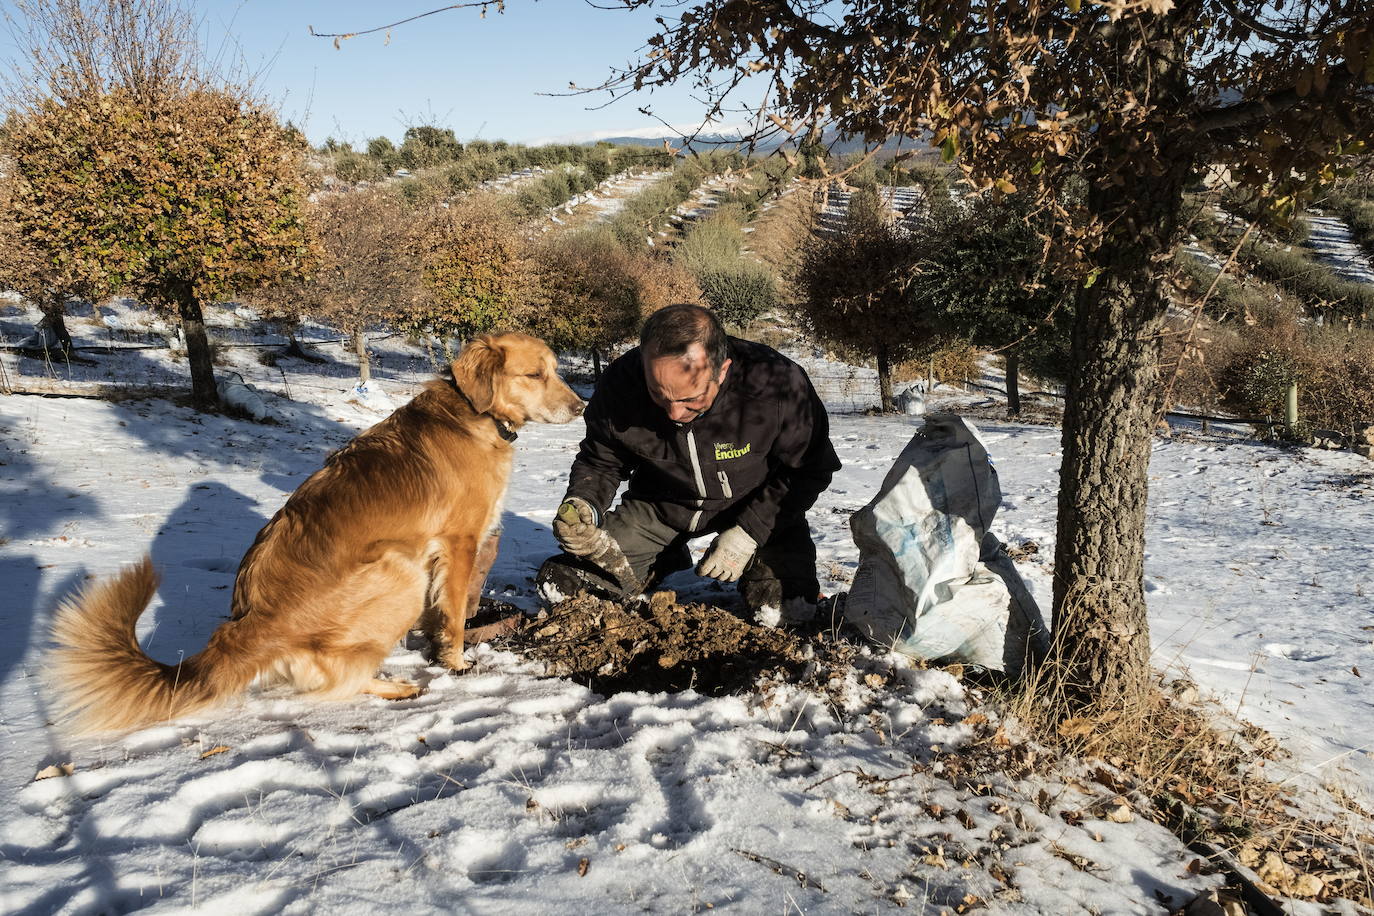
[726, 450]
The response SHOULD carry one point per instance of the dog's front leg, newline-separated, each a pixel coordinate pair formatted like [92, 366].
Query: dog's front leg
[462, 557]
[486, 556]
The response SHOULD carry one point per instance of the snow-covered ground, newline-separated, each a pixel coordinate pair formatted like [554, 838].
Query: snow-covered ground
[501, 790]
[1331, 240]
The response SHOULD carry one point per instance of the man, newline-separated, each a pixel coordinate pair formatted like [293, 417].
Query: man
[716, 436]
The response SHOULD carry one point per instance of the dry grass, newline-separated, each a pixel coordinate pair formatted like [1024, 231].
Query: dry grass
[781, 232]
[1200, 772]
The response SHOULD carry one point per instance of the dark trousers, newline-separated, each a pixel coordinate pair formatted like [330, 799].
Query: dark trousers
[784, 566]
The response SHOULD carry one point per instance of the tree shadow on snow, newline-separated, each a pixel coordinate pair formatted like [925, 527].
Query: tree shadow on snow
[197, 552]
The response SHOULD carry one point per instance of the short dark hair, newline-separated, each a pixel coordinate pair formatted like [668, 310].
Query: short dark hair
[672, 330]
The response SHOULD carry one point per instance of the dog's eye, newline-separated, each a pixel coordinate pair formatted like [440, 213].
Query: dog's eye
[534, 375]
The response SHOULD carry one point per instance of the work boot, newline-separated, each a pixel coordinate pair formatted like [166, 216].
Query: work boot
[565, 575]
[773, 602]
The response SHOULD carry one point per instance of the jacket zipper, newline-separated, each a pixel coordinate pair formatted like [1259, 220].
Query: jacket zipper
[701, 482]
[725, 484]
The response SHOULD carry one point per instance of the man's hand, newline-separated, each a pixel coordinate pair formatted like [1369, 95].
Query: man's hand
[574, 525]
[728, 555]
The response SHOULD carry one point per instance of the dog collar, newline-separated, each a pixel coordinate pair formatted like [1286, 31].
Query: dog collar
[502, 430]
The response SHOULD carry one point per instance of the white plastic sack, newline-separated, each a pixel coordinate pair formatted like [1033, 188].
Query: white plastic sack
[239, 395]
[933, 582]
[370, 395]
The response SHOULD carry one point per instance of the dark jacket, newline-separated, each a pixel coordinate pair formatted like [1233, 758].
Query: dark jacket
[762, 451]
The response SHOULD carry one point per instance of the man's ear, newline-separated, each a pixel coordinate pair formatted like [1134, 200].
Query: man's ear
[724, 369]
[475, 371]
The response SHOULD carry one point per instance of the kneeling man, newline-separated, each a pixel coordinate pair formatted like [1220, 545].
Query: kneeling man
[716, 435]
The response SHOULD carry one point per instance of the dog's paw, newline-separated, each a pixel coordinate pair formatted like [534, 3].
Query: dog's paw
[392, 690]
[453, 660]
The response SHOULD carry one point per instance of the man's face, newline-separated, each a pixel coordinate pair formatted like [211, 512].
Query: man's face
[684, 386]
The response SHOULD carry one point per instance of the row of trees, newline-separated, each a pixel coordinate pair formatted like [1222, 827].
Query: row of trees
[450, 271]
[456, 168]
[131, 170]
[960, 271]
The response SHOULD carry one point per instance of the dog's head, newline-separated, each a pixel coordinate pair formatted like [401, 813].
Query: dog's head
[514, 377]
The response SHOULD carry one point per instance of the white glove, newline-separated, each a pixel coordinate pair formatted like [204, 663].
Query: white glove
[575, 527]
[728, 555]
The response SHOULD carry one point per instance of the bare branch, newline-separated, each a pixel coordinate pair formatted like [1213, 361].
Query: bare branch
[344, 36]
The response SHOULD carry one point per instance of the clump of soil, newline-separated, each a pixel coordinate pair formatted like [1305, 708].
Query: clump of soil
[658, 645]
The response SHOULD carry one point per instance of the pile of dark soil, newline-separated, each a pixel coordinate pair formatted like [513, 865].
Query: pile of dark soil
[657, 645]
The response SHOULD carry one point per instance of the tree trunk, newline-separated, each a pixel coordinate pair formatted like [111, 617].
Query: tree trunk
[885, 381]
[1101, 632]
[203, 391]
[364, 364]
[1101, 646]
[1013, 363]
[55, 325]
[596, 364]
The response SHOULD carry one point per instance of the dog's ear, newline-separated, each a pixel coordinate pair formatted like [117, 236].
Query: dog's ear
[475, 371]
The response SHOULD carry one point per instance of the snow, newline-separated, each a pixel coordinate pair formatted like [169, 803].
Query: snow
[495, 786]
[1331, 240]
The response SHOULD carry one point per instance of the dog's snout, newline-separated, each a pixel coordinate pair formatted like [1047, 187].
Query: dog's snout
[579, 405]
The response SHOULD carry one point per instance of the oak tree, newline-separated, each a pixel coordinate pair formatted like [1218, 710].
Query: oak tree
[1131, 99]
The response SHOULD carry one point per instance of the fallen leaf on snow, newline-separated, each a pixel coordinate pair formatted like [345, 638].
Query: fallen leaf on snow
[217, 749]
[1121, 814]
[57, 769]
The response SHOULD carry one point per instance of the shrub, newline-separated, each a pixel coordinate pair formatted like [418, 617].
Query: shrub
[710, 244]
[355, 167]
[588, 293]
[1333, 368]
[426, 146]
[739, 293]
[477, 269]
[661, 281]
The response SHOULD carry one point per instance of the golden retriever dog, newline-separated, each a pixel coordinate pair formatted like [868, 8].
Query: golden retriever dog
[400, 521]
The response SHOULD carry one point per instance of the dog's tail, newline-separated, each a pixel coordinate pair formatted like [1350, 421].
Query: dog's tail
[105, 682]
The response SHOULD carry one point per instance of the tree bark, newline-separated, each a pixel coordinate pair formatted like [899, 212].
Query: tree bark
[1013, 364]
[885, 381]
[596, 364]
[1101, 648]
[203, 391]
[54, 321]
[364, 363]
[1101, 632]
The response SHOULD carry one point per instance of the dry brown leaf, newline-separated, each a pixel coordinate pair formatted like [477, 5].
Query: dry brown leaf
[56, 769]
[1077, 727]
[583, 864]
[1121, 814]
[220, 749]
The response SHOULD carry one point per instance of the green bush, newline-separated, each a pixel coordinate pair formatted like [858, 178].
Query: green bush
[740, 292]
[711, 244]
[354, 167]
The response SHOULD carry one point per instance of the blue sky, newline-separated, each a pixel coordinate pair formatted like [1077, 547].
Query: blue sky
[481, 77]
